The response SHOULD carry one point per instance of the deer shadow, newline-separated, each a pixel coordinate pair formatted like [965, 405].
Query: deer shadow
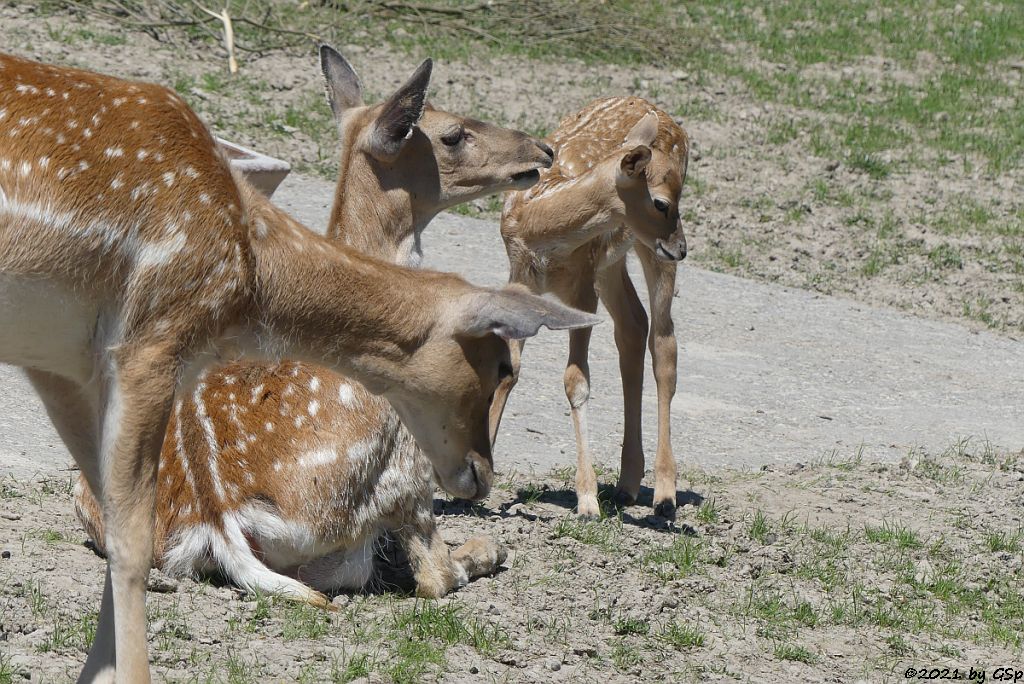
[566, 498]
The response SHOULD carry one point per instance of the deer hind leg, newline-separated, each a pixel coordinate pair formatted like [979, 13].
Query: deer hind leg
[661, 286]
[346, 570]
[630, 319]
[137, 390]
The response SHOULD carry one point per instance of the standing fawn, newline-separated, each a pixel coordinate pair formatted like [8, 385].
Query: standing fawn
[615, 186]
[131, 257]
[313, 465]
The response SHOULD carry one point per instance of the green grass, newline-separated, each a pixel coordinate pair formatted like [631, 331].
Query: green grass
[681, 636]
[628, 625]
[7, 671]
[760, 526]
[793, 652]
[605, 534]
[679, 559]
[302, 621]
[708, 512]
[999, 540]
[893, 534]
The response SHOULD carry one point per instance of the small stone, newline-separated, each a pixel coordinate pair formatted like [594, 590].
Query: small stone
[161, 583]
[553, 665]
[7, 515]
[831, 166]
[5, 554]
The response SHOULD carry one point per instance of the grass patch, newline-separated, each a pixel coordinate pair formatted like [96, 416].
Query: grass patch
[682, 637]
[679, 559]
[795, 653]
[605, 534]
[893, 534]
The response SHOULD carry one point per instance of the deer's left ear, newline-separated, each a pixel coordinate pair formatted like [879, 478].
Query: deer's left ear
[644, 131]
[341, 81]
[400, 113]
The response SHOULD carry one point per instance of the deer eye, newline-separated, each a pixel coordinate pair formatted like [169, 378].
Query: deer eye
[662, 206]
[453, 138]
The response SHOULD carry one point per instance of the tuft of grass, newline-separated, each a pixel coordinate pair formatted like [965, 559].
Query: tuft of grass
[893, 534]
[870, 164]
[945, 256]
[799, 654]
[625, 656]
[627, 625]
[760, 526]
[708, 512]
[681, 558]
[302, 621]
[999, 540]
[681, 636]
[429, 620]
[605, 534]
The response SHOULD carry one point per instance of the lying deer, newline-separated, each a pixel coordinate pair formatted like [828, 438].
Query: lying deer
[131, 257]
[314, 466]
[615, 186]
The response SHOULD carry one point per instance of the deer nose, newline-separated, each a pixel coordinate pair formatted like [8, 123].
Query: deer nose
[547, 150]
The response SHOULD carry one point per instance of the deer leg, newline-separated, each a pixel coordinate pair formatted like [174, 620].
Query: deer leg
[73, 414]
[518, 273]
[138, 389]
[504, 389]
[439, 571]
[630, 319]
[661, 286]
[577, 391]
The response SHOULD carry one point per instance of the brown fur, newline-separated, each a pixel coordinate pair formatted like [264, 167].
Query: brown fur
[272, 425]
[570, 234]
[150, 270]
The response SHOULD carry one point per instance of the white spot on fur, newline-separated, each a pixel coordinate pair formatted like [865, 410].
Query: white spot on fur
[345, 395]
[317, 457]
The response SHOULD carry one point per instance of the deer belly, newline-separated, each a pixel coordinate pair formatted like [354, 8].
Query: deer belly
[46, 326]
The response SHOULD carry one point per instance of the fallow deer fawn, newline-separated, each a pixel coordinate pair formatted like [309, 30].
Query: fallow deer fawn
[131, 257]
[615, 186]
[313, 465]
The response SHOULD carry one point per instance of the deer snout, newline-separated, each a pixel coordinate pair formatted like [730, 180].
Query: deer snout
[672, 248]
[546, 149]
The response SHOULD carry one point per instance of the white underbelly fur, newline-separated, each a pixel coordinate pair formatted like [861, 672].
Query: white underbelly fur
[46, 326]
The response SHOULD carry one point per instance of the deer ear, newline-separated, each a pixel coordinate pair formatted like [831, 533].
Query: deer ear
[341, 81]
[635, 161]
[514, 314]
[644, 131]
[400, 113]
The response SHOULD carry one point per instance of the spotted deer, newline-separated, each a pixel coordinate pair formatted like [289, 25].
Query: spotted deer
[307, 465]
[615, 186]
[131, 258]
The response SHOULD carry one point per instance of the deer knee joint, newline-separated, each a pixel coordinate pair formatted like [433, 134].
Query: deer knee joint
[577, 386]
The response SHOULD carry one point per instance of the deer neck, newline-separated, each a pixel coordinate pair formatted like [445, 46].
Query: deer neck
[375, 211]
[567, 215]
[324, 303]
